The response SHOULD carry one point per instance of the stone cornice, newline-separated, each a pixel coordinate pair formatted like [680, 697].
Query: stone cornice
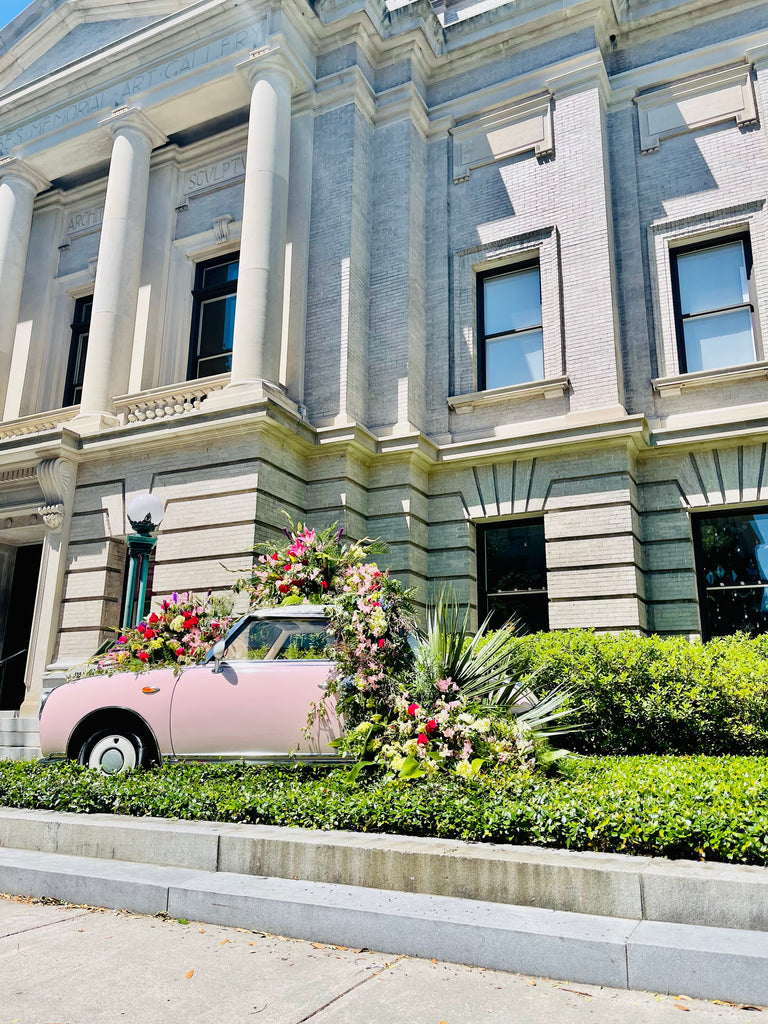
[12, 167]
[133, 119]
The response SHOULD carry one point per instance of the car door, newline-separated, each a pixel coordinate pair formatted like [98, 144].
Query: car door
[258, 703]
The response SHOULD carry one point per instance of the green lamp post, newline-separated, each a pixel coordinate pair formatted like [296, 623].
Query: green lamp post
[145, 513]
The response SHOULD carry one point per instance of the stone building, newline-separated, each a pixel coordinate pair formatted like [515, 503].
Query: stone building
[487, 279]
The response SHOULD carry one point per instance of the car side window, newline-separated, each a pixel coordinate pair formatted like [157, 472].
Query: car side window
[308, 641]
[280, 639]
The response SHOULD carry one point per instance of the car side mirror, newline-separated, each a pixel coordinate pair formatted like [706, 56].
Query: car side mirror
[218, 655]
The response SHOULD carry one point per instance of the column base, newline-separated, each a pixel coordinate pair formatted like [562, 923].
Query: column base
[243, 394]
[93, 422]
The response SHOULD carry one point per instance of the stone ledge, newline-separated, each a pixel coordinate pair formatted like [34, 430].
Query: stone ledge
[553, 387]
[705, 378]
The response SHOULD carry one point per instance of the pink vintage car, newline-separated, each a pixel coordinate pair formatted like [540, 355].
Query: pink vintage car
[250, 699]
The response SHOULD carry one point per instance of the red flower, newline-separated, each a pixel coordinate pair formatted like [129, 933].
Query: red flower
[412, 709]
[287, 567]
[141, 627]
[143, 656]
[179, 651]
[275, 557]
[153, 619]
[148, 634]
[431, 725]
[323, 584]
[422, 739]
[122, 639]
[381, 642]
[192, 621]
[284, 588]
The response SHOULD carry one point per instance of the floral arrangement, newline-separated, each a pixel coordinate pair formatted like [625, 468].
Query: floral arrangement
[308, 569]
[447, 735]
[180, 633]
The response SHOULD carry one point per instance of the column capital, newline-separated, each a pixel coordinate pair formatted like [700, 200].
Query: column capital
[276, 60]
[15, 167]
[133, 118]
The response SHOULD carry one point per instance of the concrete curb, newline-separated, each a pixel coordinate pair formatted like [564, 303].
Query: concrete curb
[608, 885]
[705, 962]
[627, 922]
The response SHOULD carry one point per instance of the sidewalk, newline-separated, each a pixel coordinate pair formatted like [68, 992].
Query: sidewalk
[75, 965]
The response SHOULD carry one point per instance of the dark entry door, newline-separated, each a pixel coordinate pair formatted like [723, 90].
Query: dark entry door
[18, 626]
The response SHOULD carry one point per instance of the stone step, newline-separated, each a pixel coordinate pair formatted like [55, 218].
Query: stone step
[609, 885]
[710, 963]
[18, 726]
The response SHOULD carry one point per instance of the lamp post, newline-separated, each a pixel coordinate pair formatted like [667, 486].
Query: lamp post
[145, 513]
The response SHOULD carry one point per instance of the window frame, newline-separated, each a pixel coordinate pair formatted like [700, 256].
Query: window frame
[714, 242]
[482, 276]
[78, 327]
[202, 295]
[697, 518]
[482, 530]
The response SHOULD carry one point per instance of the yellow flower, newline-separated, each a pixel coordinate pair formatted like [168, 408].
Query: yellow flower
[177, 624]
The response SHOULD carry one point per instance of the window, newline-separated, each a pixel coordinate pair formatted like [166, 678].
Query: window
[279, 640]
[213, 317]
[714, 304]
[732, 572]
[512, 574]
[511, 349]
[78, 349]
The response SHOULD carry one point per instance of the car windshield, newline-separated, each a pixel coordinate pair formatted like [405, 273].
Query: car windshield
[280, 639]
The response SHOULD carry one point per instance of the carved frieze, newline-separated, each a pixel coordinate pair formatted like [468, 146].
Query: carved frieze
[201, 181]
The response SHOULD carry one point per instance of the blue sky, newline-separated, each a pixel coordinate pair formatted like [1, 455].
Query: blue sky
[10, 8]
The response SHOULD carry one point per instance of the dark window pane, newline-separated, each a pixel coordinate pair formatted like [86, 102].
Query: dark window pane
[217, 324]
[515, 557]
[529, 612]
[78, 349]
[216, 276]
[732, 568]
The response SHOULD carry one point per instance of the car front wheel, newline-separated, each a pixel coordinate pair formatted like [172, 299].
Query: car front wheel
[114, 752]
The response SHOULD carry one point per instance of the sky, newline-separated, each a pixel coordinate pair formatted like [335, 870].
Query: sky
[10, 8]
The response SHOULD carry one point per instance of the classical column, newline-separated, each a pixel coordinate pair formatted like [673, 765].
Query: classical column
[118, 270]
[259, 308]
[19, 184]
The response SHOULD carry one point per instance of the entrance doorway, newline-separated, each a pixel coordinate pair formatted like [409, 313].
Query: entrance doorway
[18, 615]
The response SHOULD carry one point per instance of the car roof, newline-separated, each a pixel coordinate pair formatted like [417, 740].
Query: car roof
[291, 611]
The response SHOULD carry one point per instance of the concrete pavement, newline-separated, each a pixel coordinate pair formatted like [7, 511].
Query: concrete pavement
[77, 965]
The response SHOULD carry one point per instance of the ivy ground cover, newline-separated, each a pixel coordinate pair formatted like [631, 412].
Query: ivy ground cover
[700, 808]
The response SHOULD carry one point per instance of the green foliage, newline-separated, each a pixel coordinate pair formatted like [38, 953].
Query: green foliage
[692, 807]
[654, 695]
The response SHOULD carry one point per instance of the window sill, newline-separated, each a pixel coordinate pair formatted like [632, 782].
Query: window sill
[703, 378]
[554, 387]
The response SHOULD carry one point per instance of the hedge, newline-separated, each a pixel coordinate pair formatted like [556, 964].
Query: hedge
[690, 807]
[654, 695]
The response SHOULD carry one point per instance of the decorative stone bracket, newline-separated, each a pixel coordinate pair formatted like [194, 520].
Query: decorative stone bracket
[723, 95]
[518, 128]
[57, 482]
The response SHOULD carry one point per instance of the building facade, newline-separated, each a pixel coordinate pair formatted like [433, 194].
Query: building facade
[488, 280]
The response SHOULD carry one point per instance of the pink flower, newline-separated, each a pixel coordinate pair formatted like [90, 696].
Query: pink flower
[422, 738]
[412, 709]
[442, 685]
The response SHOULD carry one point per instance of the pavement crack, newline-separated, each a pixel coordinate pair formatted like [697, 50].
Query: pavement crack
[373, 974]
[46, 924]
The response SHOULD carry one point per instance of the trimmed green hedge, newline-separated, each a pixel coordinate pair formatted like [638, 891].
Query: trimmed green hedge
[691, 807]
[654, 695]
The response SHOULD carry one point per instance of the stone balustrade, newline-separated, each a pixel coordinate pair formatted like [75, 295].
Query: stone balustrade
[167, 402]
[38, 422]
